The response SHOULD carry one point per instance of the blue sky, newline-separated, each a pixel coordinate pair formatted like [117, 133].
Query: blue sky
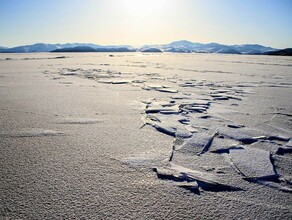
[136, 22]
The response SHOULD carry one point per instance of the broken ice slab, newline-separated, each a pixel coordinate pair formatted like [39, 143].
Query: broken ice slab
[200, 123]
[191, 186]
[90, 76]
[223, 145]
[197, 102]
[283, 167]
[172, 128]
[194, 84]
[105, 81]
[205, 116]
[195, 109]
[183, 133]
[188, 84]
[226, 150]
[161, 109]
[185, 121]
[195, 106]
[103, 75]
[244, 135]
[191, 129]
[205, 181]
[149, 120]
[152, 86]
[220, 98]
[167, 104]
[154, 102]
[285, 149]
[289, 143]
[139, 81]
[198, 143]
[58, 77]
[278, 138]
[69, 73]
[166, 173]
[220, 91]
[266, 145]
[121, 81]
[170, 110]
[180, 97]
[165, 128]
[253, 162]
[114, 81]
[168, 90]
[233, 97]
[235, 125]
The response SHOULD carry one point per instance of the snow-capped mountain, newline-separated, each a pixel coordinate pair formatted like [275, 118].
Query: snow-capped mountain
[185, 46]
[182, 46]
[252, 48]
[41, 47]
[3, 48]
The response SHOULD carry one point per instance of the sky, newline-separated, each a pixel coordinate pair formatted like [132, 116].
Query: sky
[139, 22]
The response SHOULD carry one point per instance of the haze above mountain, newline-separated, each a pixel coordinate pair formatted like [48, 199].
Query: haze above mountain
[182, 46]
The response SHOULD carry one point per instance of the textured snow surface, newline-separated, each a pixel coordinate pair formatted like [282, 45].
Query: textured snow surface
[253, 162]
[145, 136]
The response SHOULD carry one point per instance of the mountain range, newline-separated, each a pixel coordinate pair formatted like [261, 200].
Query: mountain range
[182, 46]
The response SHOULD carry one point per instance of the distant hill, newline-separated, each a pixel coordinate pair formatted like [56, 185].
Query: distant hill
[31, 48]
[182, 46]
[40, 47]
[285, 52]
[152, 50]
[228, 51]
[75, 49]
[177, 50]
[252, 48]
[187, 46]
[3, 48]
[90, 49]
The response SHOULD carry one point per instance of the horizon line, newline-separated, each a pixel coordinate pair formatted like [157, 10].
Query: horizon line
[139, 45]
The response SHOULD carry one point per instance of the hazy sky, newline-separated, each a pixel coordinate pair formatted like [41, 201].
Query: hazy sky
[136, 22]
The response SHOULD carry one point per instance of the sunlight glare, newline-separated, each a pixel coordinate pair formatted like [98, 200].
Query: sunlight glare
[145, 7]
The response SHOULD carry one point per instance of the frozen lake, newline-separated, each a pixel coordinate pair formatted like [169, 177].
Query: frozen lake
[154, 135]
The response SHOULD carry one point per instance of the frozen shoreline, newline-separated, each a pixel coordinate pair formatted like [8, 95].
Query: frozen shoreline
[71, 132]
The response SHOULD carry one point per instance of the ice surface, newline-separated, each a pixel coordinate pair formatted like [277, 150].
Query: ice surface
[198, 143]
[213, 94]
[205, 180]
[31, 133]
[192, 118]
[165, 128]
[244, 135]
[253, 162]
[81, 121]
[122, 81]
[289, 143]
[168, 90]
